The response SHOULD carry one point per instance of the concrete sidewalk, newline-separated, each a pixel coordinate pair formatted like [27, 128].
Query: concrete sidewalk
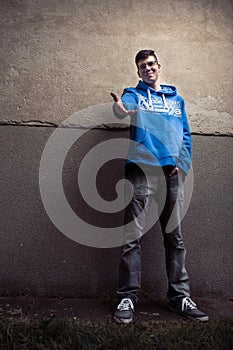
[101, 309]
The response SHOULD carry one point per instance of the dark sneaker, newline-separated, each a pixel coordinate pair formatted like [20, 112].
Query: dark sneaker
[124, 311]
[187, 308]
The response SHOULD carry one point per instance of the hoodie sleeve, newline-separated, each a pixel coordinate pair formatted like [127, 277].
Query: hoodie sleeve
[184, 161]
[129, 99]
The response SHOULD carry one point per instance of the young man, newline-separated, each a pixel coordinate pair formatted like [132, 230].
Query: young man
[159, 157]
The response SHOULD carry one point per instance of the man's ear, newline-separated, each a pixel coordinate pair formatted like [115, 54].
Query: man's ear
[159, 65]
[139, 74]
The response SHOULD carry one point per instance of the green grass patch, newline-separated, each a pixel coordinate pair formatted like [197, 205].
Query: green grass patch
[54, 334]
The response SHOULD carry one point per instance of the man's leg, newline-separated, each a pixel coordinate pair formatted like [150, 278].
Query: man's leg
[130, 262]
[130, 271]
[178, 281]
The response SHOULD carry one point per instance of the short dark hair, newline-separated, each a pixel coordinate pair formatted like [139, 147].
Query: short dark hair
[141, 55]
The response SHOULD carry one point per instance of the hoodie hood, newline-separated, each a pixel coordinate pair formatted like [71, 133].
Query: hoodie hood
[167, 90]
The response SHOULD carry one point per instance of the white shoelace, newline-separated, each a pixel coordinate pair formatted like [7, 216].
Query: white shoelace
[187, 303]
[125, 305]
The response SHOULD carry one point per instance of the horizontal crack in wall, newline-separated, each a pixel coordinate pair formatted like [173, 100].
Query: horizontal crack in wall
[27, 123]
[115, 126]
[38, 123]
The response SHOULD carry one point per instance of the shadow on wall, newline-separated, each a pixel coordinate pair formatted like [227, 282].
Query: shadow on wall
[36, 258]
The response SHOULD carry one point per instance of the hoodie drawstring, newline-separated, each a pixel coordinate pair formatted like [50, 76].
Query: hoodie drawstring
[149, 97]
[150, 100]
[164, 101]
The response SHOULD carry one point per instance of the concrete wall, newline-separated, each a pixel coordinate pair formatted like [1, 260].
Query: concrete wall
[64, 57]
[37, 258]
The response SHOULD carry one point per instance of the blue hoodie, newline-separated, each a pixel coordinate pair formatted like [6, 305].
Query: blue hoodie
[159, 131]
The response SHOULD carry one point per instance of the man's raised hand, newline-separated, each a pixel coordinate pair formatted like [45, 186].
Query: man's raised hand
[119, 107]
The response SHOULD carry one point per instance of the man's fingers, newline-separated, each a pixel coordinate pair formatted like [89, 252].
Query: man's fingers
[132, 111]
[120, 107]
[115, 97]
[173, 171]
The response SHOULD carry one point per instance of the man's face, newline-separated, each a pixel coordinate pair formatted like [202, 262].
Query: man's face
[148, 70]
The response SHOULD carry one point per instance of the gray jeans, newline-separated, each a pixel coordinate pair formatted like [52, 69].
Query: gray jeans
[168, 193]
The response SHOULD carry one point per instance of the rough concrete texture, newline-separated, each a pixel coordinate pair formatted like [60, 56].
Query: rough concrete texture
[62, 58]
[58, 57]
[36, 258]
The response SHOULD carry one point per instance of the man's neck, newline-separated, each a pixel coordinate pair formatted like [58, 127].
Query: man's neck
[156, 86]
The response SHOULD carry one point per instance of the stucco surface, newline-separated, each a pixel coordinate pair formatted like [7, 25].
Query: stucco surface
[59, 61]
[36, 258]
[59, 57]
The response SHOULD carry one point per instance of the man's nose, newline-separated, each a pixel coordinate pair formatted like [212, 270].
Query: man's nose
[148, 67]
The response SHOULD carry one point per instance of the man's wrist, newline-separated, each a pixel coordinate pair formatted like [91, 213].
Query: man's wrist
[116, 112]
